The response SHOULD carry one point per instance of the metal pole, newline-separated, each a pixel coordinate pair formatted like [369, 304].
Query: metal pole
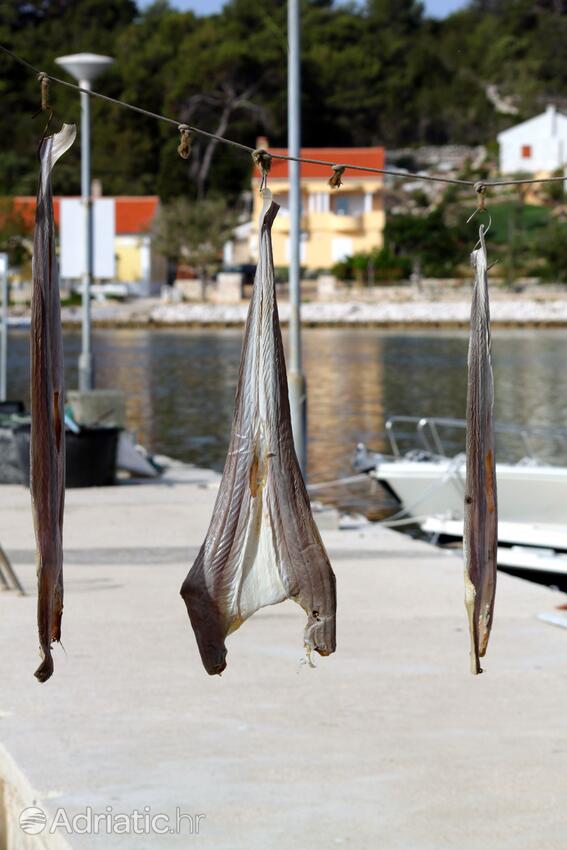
[13, 578]
[86, 378]
[296, 379]
[4, 328]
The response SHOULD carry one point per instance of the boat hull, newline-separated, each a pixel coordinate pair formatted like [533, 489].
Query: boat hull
[526, 494]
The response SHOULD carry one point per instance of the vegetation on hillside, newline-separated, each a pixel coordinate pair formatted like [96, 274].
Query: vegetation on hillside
[377, 72]
[373, 72]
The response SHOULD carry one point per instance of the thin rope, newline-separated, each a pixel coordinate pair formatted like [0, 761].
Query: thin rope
[522, 182]
[326, 163]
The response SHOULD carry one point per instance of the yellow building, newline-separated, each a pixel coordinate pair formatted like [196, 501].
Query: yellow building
[335, 223]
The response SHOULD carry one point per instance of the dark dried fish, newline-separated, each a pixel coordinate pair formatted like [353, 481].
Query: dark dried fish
[47, 474]
[481, 518]
[262, 545]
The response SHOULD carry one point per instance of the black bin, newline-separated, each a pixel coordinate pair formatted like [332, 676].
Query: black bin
[90, 456]
[8, 408]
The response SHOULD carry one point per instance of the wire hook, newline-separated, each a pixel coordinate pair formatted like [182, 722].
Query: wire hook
[263, 160]
[482, 231]
[480, 189]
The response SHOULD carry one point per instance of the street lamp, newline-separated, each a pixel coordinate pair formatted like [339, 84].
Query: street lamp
[85, 68]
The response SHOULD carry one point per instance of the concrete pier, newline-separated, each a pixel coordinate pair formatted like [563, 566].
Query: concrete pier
[388, 744]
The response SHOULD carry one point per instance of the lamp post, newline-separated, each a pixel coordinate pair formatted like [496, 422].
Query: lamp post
[85, 68]
[296, 379]
[4, 327]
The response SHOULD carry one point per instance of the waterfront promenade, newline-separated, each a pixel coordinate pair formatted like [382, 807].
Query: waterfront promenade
[388, 744]
[404, 310]
[386, 307]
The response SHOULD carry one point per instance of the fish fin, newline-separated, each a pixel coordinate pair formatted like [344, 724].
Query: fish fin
[305, 567]
[45, 669]
[62, 141]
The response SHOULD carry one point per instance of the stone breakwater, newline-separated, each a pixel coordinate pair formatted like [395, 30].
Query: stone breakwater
[387, 314]
[450, 312]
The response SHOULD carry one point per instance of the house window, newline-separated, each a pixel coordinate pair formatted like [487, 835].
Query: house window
[283, 200]
[319, 202]
[342, 205]
[526, 151]
[349, 203]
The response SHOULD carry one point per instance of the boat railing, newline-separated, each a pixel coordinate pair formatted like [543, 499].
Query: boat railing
[429, 431]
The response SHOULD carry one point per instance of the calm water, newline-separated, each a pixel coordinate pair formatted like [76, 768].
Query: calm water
[180, 384]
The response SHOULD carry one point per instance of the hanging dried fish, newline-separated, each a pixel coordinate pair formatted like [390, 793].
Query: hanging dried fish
[47, 474]
[481, 520]
[262, 545]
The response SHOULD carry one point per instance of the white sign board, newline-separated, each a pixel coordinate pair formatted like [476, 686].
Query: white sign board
[72, 233]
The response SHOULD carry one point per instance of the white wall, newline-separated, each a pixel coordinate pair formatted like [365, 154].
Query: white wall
[341, 247]
[545, 136]
[72, 234]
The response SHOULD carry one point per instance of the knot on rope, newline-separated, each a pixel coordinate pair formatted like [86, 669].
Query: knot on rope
[184, 146]
[43, 80]
[263, 160]
[480, 189]
[336, 178]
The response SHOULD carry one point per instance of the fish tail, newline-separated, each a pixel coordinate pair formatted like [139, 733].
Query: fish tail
[320, 607]
[206, 621]
[45, 669]
[49, 616]
[320, 633]
[470, 605]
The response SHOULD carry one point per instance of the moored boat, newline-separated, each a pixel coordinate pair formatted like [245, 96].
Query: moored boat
[425, 471]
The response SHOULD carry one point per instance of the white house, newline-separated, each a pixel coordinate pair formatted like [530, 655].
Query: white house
[536, 145]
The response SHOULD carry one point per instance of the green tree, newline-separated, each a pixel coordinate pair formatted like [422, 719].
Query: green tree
[426, 239]
[552, 250]
[193, 232]
[374, 72]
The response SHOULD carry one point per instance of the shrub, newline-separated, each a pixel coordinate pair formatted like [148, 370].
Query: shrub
[427, 240]
[377, 265]
[552, 249]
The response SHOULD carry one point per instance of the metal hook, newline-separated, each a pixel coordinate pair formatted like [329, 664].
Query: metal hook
[480, 189]
[263, 160]
[482, 231]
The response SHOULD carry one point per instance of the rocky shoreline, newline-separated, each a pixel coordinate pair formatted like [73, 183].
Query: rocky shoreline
[508, 310]
[507, 313]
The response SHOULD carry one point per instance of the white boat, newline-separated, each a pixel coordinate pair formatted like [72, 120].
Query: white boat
[428, 481]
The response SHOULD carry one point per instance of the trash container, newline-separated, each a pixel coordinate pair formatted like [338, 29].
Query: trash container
[90, 456]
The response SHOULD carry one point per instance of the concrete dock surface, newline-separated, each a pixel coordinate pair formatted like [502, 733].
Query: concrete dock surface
[390, 744]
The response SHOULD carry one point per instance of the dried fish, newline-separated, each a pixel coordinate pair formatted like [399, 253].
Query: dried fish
[481, 520]
[262, 546]
[47, 449]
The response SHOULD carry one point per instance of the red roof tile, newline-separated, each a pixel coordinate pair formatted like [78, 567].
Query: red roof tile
[371, 157]
[25, 207]
[133, 214]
